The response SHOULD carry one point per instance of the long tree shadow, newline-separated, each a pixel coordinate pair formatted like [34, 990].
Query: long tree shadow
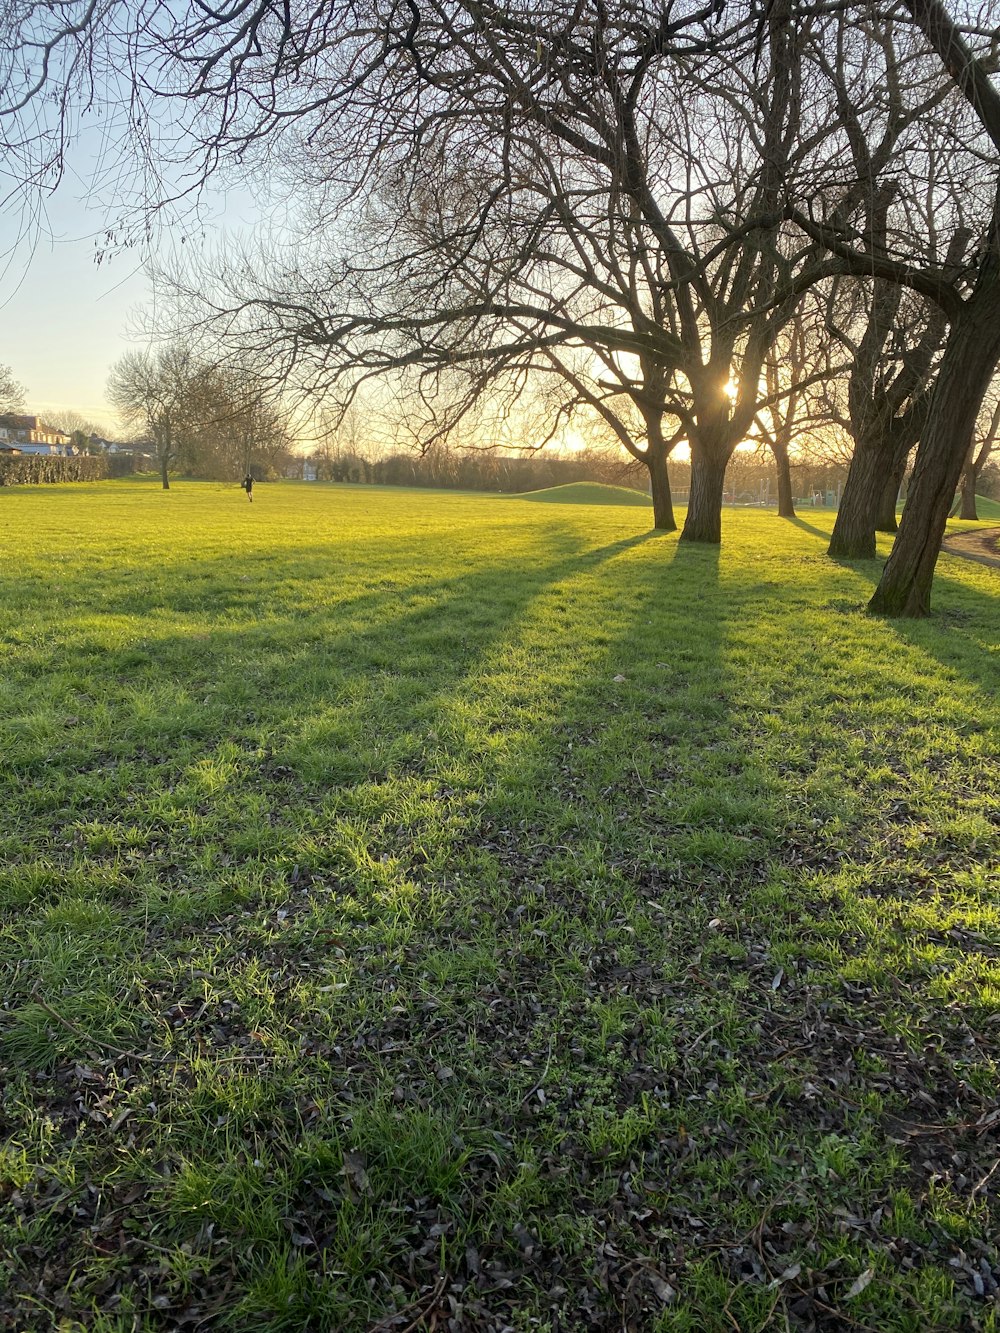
[803, 526]
[969, 608]
[160, 663]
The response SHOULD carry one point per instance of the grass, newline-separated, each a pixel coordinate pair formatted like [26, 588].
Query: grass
[415, 903]
[988, 510]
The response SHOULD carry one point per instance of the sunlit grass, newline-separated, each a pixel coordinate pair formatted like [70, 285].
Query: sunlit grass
[407, 895]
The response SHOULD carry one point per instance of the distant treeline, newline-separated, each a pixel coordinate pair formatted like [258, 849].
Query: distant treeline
[468, 470]
[37, 469]
[750, 478]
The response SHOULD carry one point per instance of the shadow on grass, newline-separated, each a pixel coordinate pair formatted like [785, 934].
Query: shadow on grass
[649, 641]
[547, 881]
[704, 556]
[971, 614]
[280, 638]
[803, 526]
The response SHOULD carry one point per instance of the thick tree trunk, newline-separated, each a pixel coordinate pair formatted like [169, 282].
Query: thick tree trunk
[786, 501]
[885, 516]
[164, 475]
[659, 487]
[853, 536]
[704, 515]
[967, 367]
[969, 492]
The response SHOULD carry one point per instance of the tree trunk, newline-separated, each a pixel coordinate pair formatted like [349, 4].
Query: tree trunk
[704, 515]
[659, 487]
[786, 501]
[967, 367]
[853, 536]
[885, 517]
[164, 475]
[969, 491]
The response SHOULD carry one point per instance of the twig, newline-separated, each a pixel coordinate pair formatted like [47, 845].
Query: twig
[423, 1306]
[702, 1035]
[70, 1026]
[548, 1060]
[985, 1180]
[138, 1056]
[841, 1315]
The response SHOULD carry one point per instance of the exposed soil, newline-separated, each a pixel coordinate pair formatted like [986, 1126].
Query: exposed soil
[982, 546]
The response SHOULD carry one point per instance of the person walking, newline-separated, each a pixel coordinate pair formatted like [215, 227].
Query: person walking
[248, 486]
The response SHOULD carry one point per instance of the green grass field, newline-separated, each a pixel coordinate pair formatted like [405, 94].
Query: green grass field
[419, 907]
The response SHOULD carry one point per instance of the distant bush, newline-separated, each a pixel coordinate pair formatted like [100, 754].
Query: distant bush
[36, 469]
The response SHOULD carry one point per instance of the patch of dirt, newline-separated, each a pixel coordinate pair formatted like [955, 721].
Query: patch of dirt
[983, 546]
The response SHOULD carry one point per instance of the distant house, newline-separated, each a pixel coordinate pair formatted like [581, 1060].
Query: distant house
[30, 435]
[125, 459]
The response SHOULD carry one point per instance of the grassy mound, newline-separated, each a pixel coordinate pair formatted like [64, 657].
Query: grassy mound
[425, 911]
[587, 493]
[988, 509]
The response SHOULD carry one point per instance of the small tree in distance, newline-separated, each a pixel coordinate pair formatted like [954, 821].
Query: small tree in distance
[242, 428]
[157, 393]
[983, 444]
[11, 392]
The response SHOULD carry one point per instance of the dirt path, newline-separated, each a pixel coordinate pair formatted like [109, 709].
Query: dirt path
[982, 546]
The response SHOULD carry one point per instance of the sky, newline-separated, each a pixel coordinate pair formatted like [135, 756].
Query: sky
[64, 319]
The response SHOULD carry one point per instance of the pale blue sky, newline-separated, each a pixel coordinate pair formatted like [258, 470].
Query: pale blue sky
[64, 320]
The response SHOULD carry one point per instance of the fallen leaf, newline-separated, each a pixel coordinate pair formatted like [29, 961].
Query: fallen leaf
[859, 1284]
[354, 1169]
[663, 1289]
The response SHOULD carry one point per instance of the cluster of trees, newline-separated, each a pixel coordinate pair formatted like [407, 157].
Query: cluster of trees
[198, 418]
[751, 478]
[688, 223]
[87, 435]
[455, 468]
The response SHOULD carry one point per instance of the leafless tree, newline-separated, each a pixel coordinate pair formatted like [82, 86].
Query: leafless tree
[969, 297]
[903, 132]
[797, 374]
[161, 394]
[584, 179]
[76, 424]
[984, 442]
[239, 427]
[11, 392]
[887, 400]
[565, 213]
